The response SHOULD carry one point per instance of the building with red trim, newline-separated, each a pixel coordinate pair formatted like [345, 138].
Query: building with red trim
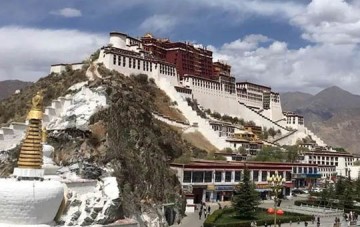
[217, 180]
[187, 58]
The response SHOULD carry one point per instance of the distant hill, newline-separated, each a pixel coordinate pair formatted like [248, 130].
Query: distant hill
[291, 100]
[333, 113]
[8, 87]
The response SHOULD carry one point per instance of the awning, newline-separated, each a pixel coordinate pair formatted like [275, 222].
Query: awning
[263, 190]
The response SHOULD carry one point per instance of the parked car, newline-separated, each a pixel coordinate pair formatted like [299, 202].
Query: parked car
[317, 190]
[297, 191]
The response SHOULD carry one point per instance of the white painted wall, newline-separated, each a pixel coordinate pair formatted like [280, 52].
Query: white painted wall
[29, 202]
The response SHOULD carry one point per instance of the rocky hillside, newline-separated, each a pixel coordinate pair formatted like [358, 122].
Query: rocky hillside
[332, 113]
[8, 87]
[124, 139]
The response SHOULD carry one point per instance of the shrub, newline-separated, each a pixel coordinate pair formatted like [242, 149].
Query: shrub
[216, 115]
[141, 78]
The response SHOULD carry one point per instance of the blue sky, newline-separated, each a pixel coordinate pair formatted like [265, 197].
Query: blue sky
[289, 45]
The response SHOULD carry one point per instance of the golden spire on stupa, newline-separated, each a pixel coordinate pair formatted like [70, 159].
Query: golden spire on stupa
[31, 156]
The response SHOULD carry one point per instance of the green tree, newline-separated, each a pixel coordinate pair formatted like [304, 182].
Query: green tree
[347, 199]
[272, 132]
[357, 163]
[270, 154]
[242, 150]
[292, 153]
[246, 199]
[324, 196]
[340, 187]
[357, 186]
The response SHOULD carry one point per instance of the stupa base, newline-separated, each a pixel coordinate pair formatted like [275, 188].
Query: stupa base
[28, 173]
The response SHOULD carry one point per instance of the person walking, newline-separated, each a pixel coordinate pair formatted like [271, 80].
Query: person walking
[209, 209]
[200, 214]
[306, 224]
[205, 213]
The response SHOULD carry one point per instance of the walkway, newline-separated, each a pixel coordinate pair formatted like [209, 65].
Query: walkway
[192, 220]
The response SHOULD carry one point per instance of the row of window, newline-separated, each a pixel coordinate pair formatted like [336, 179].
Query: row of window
[167, 70]
[300, 169]
[146, 65]
[324, 163]
[229, 176]
[132, 63]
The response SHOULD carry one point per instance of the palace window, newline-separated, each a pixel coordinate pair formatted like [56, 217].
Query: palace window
[198, 177]
[288, 176]
[217, 176]
[255, 175]
[228, 176]
[134, 63]
[264, 176]
[130, 62]
[124, 61]
[187, 177]
[237, 176]
[114, 59]
[208, 176]
[138, 63]
[150, 66]
[119, 60]
[300, 169]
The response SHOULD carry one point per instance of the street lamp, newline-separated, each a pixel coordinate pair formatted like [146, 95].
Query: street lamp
[276, 184]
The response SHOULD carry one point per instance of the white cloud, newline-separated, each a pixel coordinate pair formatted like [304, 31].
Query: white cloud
[67, 12]
[27, 53]
[310, 69]
[330, 21]
[158, 24]
[244, 8]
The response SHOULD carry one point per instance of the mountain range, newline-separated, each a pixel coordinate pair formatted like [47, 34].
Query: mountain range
[333, 114]
[8, 87]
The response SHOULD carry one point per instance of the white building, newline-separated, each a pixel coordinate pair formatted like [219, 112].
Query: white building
[330, 163]
[217, 180]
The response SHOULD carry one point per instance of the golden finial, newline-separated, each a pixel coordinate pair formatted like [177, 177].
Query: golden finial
[37, 106]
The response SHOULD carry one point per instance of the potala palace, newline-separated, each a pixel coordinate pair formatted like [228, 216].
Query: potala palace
[186, 72]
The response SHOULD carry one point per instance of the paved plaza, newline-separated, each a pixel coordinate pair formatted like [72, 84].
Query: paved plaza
[326, 220]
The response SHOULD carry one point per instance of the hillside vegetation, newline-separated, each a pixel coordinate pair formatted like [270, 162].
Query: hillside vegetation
[15, 107]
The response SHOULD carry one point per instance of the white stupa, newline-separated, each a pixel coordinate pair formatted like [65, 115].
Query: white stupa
[28, 199]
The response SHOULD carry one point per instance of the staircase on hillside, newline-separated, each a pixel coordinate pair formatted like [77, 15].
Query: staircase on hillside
[319, 141]
[204, 126]
[13, 135]
[285, 136]
[266, 118]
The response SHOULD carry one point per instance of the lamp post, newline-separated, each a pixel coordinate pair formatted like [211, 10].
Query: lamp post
[276, 184]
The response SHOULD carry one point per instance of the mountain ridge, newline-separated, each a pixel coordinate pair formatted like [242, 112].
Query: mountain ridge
[8, 87]
[332, 111]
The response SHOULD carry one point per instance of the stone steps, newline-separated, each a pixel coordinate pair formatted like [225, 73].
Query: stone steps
[13, 135]
[203, 125]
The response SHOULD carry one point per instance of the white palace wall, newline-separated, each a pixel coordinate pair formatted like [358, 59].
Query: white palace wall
[154, 69]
